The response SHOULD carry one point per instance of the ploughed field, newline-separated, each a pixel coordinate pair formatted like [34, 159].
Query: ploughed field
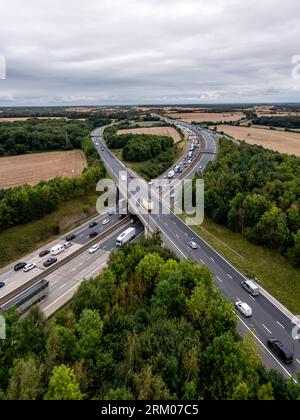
[278, 140]
[33, 168]
[156, 131]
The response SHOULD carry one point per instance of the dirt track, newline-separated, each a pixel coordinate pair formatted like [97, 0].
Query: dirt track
[31, 169]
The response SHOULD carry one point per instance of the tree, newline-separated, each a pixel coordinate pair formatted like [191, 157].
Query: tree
[265, 392]
[148, 270]
[25, 381]
[89, 331]
[63, 385]
[32, 338]
[119, 394]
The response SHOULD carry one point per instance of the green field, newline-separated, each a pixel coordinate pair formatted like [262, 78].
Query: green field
[273, 271]
[21, 240]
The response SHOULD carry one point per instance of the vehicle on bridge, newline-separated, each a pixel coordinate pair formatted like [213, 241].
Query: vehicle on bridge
[57, 249]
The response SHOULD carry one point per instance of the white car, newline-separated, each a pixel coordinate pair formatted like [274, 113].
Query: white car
[94, 249]
[105, 222]
[68, 245]
[244, 309]
[189, 161]
[193, 245]
[29, 267]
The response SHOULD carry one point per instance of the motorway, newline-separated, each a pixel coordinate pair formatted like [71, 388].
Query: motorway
[13, 279]
[268, 317]
[64, 282]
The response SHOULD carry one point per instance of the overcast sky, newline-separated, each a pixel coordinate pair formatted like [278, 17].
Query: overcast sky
[148, 51]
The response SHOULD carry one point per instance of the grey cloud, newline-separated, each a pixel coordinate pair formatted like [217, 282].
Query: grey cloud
[148, 51]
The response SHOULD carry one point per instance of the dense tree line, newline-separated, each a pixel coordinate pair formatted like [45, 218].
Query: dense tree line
[256, 192]
[158, 152]
[149, 328]
[26, 203]
[288, 122]
[39, 136]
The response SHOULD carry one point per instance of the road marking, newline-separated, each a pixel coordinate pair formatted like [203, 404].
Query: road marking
[270, 353]
[252, 298]
[230, 276]
[220, 280]
[177, 236]
[298, 361]
[270, 332]
[280, 325]
[211, 258]
[202, 262]
[239, 300]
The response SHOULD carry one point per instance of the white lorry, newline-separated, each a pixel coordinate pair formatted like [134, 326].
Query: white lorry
[126, 236]
[57, 249]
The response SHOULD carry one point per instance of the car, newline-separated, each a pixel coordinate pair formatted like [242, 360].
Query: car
[93, 234]
[244, 309]
[284, 354]
[2, 284]
[94, 249]
[50, 261]
[93, 224]
[44, 253]
[193, 245]
[20, 266]
[111, 212]
[121, 216]
[251, 287]
[105, 222]
[70, 237]
[189, 161]
[68, 245]
[29, 267]
[131, 176]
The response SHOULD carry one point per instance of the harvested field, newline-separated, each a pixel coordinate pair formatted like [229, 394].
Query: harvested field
[209, 116]
[31, 169]
[156, 131]
[279, 141]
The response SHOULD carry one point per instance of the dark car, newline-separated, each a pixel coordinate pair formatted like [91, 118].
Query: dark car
[50, 262]
[2, 284]
[70, 237]
[20, 266]
[93, 224]
[44, 253]
[121, 216]
[93, 234]
[280, 350]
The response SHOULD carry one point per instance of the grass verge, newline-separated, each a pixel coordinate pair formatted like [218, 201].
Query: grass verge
[274, 272]
[21, 240]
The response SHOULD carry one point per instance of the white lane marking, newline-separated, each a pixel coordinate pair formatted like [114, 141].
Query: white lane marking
[271, 354]
[298, 361]
[177, 236]
[238, 299]
[211, 258]
[230, 276]
[220, 280]
[252, 298]
[270, 332]
[202, 262]
[280, 325]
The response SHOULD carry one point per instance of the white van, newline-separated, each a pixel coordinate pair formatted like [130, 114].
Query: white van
[251, 287]
[57, 249]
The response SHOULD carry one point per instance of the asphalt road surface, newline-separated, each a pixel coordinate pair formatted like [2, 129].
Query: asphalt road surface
[268, 319]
